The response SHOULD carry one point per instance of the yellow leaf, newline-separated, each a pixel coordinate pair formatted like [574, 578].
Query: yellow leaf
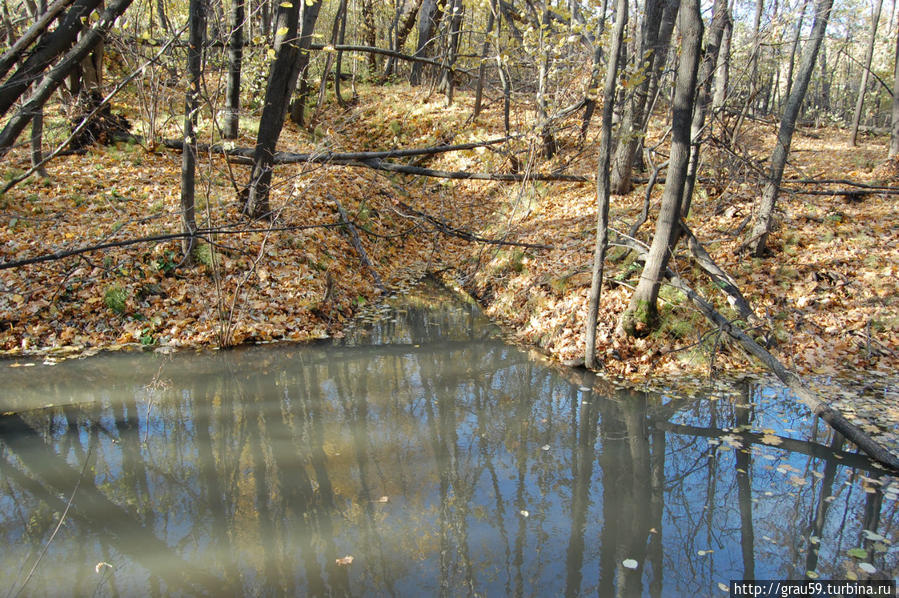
[286, 5]
[281, 31]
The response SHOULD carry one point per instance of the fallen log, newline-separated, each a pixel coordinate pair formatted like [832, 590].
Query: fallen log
[791, 380]
[357, 244]
[335, 157]
[375, 161]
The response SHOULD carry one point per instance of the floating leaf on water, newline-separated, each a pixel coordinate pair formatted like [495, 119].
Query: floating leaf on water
[629, 563]
[867, 567]
[102, 565]
[545, 447]
[814, 540]
[795, 479]
[857, 553]
[812, 574]
[869, 535]
[771, 439]
[343, 562]
[704, 552]
[851, 576]
[383, 499]
[524, 513]
[584, 388]
[723, 587]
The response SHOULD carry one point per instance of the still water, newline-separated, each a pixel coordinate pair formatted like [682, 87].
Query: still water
[423, 457]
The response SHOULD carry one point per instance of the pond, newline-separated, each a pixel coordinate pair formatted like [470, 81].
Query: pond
[422, 456]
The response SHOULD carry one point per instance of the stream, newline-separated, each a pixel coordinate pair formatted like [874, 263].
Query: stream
[420, 456]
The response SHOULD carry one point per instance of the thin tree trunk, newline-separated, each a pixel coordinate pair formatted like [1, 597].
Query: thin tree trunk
[54, 78]
[369, 33]
[482, 67]
[402, 33]
[631, 123]
[863, 86]
[722, 69]
[795, 47]
[281, 82]
[426, 26]
[50, 47]
[894, 131]
[456, 12]
[549, 142]
[703, 99]
[14, 53]
[235, 61]
[197, 25]
[641, 315]
[759, 234]
[602, 180]
[37, 123]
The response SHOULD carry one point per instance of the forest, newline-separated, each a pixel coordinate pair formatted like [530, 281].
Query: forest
[652, 188]
[448, 297]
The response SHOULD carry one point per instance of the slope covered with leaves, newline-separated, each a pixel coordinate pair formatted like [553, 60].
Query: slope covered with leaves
[826, 297]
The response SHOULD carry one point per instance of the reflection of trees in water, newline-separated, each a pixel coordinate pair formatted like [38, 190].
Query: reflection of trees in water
[257, 475]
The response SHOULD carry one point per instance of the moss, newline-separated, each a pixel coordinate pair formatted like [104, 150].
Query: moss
[115, 298]
[640, 320]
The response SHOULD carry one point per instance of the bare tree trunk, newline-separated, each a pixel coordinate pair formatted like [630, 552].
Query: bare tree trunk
[761, 227]
[37, 123]
[281, 82]
[602, 180]
[197, 16]
[593, 85]
[50, 47]
[722, 69]
[753, 90]
[369, 34]
[482, 67]
[456, 12]
[427, 24]
[795, 47]
[641, 315]
[549, 142]
[863, 85]
[402, 33]
[706, 72]
[235, 62]
[56, 75]
[632, 120]
[894, 131]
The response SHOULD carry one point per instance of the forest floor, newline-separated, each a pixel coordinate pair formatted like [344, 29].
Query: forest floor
[828, 296]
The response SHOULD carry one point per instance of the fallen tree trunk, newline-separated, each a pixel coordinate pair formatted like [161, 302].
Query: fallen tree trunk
[357, 244]
[374, 161]
[792, 381]
[336, 157]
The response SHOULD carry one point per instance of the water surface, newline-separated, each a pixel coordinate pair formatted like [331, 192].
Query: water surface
[425, 457]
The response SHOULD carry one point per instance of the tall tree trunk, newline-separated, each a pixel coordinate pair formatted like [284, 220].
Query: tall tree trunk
[196, 41]
[402, 33]
[281, 82]
[894, 130]
[641, 315]
[593, 85]
[549, 142]
[369, 34]
[794, 47]
[863, 85]
[56, 75]
[37, 123]
[703, 98]
[761, 227]
[631, 123]
[482, 66]
[753, 90]
[722, 69]
[455, 35]
[427, 24]
[235, 62]
[602, 180]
